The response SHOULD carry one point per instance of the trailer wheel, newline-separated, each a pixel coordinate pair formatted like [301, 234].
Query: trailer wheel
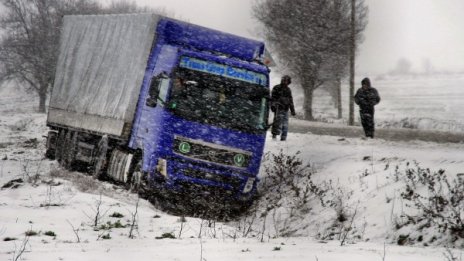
[70, 147]
[99, 158]
[59, 146]
[51, 145]
[66, 150]
[50, 154]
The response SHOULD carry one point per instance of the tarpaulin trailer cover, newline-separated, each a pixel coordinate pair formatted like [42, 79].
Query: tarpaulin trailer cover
[100, 69]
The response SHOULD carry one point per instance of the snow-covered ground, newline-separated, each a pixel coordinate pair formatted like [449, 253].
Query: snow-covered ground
[361, 171]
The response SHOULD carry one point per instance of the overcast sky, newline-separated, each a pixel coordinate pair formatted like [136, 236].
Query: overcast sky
[411, 29]
[416, 30]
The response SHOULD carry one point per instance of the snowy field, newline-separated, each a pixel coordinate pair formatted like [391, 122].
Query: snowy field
[60, 207]
[419, 102]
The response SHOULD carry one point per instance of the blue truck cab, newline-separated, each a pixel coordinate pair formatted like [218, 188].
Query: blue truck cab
[199, 112]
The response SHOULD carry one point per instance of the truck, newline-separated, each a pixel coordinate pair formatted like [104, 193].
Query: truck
[160, 104]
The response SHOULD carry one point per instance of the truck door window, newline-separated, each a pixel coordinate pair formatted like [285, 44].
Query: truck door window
[163, 91]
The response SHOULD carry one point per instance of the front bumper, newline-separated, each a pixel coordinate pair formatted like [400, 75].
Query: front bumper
[199, 179]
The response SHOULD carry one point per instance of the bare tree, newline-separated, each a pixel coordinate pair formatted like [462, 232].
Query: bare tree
[352, 62]
[17, 253]
[133, 223]
[31, 32]
[128, 7]
[308, 35]
[28, 48]
[75, 230]
[403, 67]
[334, 71]
[427, 66]
[123, 6]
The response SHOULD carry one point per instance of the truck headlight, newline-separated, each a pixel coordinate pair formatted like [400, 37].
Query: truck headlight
[162, 167]
[248, 185]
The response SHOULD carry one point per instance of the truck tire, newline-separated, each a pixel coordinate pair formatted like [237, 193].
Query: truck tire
[70, 147]
[51, 145]
[50, 154]
[100, 158]
[138, 182]
[66, 152]
[59, 145]
[136, 177]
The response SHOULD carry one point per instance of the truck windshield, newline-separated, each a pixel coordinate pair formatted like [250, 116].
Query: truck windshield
[219, 101]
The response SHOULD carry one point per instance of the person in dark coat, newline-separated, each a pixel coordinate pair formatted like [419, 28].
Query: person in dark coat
[281, 103]
[367, 97]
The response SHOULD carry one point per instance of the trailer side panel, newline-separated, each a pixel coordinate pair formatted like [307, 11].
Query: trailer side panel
[100, 70]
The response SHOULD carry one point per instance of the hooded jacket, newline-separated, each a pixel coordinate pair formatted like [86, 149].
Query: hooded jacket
[282, 99]
[367, 98]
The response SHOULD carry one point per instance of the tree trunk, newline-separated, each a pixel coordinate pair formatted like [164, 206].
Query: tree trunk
[308, 101]
[42, 100]
[352, 62]
[339, 98]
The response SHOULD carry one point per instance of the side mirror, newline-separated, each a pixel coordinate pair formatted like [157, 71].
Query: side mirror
[155, 89]
[151, 102]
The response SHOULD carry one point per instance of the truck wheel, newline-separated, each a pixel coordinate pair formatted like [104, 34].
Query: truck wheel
[136, 177]
[99, 158]
[66, 150]
[138, 182]
[50, 154]
[51, 145]
[59, 146]
[69, 153]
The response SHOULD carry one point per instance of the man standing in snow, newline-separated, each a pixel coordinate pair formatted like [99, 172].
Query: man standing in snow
[367, 97]
[281, 102]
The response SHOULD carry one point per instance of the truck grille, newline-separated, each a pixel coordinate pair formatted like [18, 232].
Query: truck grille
[211, 152]
[228, 180]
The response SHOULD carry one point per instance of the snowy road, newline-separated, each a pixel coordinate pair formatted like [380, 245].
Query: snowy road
[300, 126]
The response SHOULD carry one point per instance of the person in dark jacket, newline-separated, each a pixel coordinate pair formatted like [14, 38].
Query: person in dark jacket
[367, 97]
[281, 103]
